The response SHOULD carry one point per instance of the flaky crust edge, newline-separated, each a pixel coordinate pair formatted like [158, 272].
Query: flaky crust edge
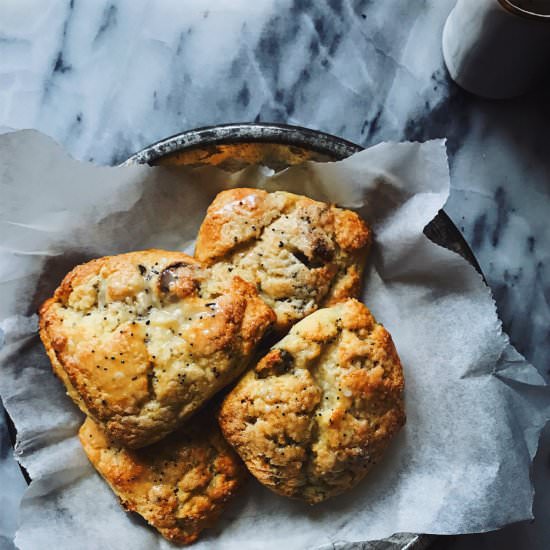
[257, 318]
[204, 517]
[230, 412]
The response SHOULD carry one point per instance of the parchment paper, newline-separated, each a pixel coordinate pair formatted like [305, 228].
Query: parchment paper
[474, 406]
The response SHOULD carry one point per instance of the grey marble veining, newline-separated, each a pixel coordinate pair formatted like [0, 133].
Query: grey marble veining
[105, 78]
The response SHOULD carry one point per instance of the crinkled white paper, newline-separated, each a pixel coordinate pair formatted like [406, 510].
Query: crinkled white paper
[474, 406]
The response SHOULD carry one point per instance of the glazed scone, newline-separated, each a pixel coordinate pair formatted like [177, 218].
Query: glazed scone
[301, 254]
[321, 407]
[142, 340]
[180, 485]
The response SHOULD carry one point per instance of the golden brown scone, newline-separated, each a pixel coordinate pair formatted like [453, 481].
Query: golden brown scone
[141, 340]
[180, 485]
[301, 254]
[320, 408]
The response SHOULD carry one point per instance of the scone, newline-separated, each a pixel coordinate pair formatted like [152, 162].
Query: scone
[320, 408]
[180, 485]
[301, 254]
[141, 340]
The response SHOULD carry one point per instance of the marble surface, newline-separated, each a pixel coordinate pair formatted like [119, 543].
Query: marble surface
[105, 78]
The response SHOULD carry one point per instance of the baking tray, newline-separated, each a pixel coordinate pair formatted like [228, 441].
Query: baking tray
[232, 147]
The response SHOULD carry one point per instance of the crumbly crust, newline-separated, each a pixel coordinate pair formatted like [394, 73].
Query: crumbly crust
[180, 485]
[320, 408]
[301, 254]
[142, 340]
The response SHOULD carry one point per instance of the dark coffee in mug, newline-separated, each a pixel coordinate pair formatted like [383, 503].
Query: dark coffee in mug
[535, 7]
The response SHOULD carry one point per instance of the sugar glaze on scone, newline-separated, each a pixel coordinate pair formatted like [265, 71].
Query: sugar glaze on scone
[301, 254]
[180, 485]
[142, 340]
[320, 408]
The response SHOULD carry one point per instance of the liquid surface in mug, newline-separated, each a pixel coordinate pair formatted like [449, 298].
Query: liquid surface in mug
[537, 7]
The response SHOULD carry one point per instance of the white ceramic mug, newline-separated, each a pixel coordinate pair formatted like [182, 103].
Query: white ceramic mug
[497, 48]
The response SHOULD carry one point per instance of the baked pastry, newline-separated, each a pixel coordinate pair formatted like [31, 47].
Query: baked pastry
[320, 408]
[301, 254]
[142, 340]
[180, 485]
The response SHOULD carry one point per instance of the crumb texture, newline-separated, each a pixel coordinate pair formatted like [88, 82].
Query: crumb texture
[142, 340]
[180, 485]
[300, 254]
[320, 408]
